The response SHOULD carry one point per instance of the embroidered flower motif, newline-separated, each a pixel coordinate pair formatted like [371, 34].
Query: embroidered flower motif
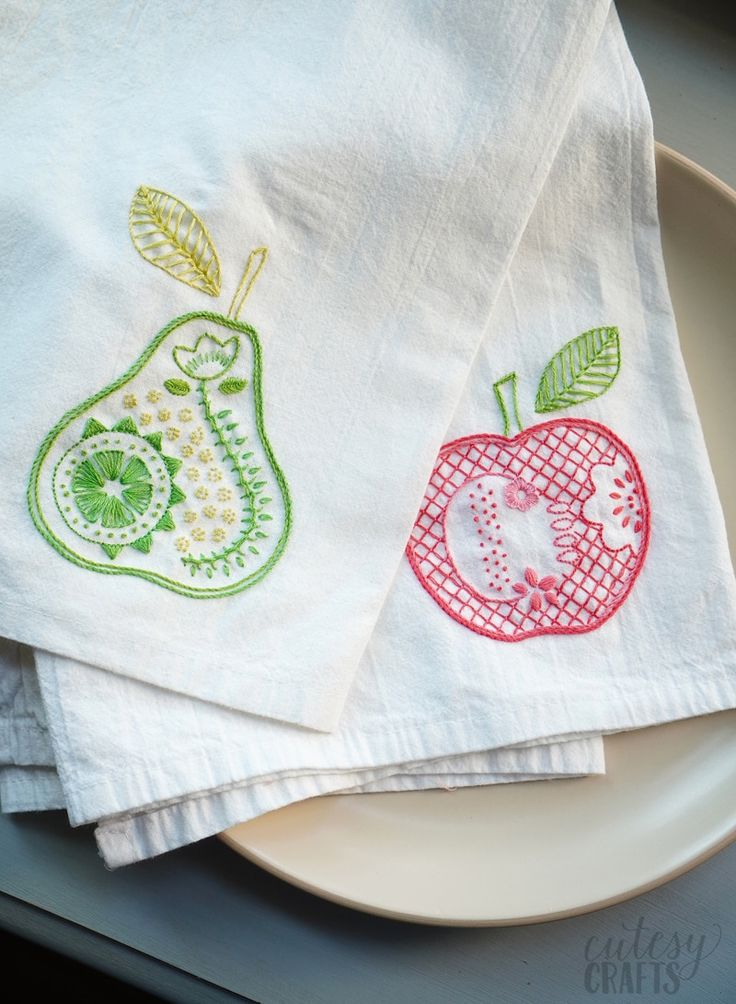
[193, 473]
[224, 494]
[187, 450]
[520, 494]
[197, 436]
[154, 396]
[215, 474]
[130, 401]
[186, 415]
[123, 497]
[210, 511]
[616, 505]
[218, 534]
[146, 418]
[202, 492]
[542, 589]
[190, 517]
[208, 359]
[206, 455]
[229, 515]
[198, 533]
[172, 433]
[164, 415]
[182, 544]
[626, 501]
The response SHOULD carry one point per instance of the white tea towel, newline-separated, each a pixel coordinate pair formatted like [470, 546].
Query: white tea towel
[632, 656]
[388, 155]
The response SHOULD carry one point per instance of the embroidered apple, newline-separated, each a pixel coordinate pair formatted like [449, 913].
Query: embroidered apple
[543, 532]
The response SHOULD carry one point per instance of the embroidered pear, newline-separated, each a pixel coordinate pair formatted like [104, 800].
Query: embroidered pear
[543, 532]
[168, 473]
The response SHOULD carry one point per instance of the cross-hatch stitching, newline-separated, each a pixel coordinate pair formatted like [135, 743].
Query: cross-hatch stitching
[558, 461]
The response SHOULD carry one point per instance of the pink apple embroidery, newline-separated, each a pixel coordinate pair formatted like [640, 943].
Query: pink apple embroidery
[543, 532]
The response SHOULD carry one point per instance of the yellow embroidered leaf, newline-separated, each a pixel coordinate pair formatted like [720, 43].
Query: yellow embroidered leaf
[171, 236]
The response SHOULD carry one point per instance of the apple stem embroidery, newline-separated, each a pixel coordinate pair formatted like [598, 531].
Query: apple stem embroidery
[99, 489]
[543, 531]
[508, 387]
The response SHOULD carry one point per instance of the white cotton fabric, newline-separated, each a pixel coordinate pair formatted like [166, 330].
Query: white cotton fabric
[389, 155]
[157, 769]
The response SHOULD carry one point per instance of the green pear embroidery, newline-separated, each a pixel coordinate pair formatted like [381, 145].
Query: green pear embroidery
[168, 474]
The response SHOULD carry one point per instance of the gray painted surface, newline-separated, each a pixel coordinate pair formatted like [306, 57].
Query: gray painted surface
[203, 925]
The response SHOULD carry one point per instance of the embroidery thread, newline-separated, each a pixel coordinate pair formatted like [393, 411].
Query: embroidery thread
[100, 490]
[565, 496]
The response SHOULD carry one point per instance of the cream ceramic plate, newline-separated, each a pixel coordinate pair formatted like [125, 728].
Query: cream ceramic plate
[516, 853]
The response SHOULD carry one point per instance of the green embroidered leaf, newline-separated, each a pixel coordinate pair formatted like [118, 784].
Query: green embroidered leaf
[155, 439]
[135, 470]
[583, 369]
[138, 496]
[177, 387]
[172, 464]
[232, 385]
[166, 522]
[112, 550]
[177, 495]
[172, 237]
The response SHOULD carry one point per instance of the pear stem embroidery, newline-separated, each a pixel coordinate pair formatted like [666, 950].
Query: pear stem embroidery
[253, 268]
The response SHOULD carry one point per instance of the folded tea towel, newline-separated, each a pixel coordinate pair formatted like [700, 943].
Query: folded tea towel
[26, 788]
[593, 630]
[388, 154]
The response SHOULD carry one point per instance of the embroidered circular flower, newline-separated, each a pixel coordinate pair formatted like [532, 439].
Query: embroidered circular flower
[172, 433]
[206, 455]
[197, 436]
[224, 494]
[202, 492]
[208, 358]
[198, 533]
[186, 415]
[215, 474]
[193, 474]
[164, 415]
[229, 515]
[182, 544]
[187, 450]
[520, 494]
[541, 589]
[115, 487]
[190, 516]
[626, 501]
[218, 535]
[130, 401]
[210, 511]
[154, 396]
[146, 418]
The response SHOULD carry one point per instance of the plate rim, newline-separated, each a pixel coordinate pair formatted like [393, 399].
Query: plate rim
[719, 844]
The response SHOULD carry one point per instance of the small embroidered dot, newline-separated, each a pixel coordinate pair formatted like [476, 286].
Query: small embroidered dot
[215, 474]
[206, 455]
[164, 415]
[224, 494]
[130, 401]
[153, 396]
[196, 436]
[193, 474]
[172, 433]
[186, 415]
[190, 517]
[198, 533]
[182, 543]
[210, 511]
[218, 534]
[187, 450]
[229, 515]
[202, 492]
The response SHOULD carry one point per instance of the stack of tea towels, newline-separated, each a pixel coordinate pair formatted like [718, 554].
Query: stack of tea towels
[361, 488]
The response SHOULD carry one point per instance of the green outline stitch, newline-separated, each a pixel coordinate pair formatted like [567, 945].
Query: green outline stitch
[32, 493]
